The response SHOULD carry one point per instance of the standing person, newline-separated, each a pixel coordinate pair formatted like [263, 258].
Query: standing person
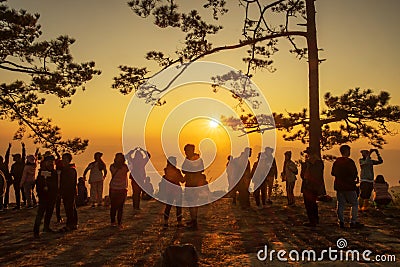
[233, 183]
[98, 172]
[47, 190]
[345, 171]
[244, 164]
[193, 168]
[17, 168]
[68, 180]
[367, 176]
[4, 168]
[272, 174]
[28, 178]
[137, 166]
[289, 173]
[382, 196]
[173, 191]
[3, 185]
[258, 174]
[118, 188]
[312, 186]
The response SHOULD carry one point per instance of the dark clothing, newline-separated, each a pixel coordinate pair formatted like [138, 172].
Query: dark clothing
[117, 201]
[313, 177]
[82, 198]
[345, 171]
[261, 191]
[273, 171]
[68, 180]
[366, 189]
[136, 191]
[310, 202]
[47, 190]
[167, 211]
[244, 194]
[58, 207]
[312, 186]
[17, 168]
[173, 193]
[45, 209]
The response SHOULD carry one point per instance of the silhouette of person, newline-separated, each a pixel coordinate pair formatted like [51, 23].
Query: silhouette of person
[47, 190]
[137, 166]
[4, 168]
[272, 174]
[28, 178]
[312, 173]
[98, 172]
[173, 190]
[345, 171]
[82, 198]
[382, 196]
[289, 173]
[193, 168]
[233, 181]
[17, 168]
[259, 174]
[118, 188]
[68, 181]
[147, 187]
[244, 164]
[367, 176]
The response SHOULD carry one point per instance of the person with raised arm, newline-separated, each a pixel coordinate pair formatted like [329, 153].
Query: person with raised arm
[137, 165]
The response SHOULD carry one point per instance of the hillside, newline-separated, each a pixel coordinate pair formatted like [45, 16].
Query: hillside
[227, 236]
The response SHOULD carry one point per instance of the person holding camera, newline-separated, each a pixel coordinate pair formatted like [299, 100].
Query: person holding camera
[367, 176]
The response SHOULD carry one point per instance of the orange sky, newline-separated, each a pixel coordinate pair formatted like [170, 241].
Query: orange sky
[360, 45]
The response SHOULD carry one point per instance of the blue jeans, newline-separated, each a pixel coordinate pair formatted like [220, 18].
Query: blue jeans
[344, 197]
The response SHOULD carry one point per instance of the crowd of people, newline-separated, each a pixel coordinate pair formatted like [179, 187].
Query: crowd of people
[55, 180]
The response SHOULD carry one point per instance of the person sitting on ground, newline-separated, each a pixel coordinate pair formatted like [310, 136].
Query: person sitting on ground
[382, 197]
[148, 189]
[82, 198]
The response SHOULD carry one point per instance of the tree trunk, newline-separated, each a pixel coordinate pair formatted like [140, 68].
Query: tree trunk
[313, 79]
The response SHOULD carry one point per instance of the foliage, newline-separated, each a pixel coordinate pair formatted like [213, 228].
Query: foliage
[348, 117]
[49, 69]
[277, 189]
[353, 115]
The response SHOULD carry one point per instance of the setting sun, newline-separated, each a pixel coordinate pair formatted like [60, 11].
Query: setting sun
[213, 124]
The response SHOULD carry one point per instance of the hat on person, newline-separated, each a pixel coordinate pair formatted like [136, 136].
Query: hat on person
[364, 151]
[98, 154]
[288, 152]
[30, 159]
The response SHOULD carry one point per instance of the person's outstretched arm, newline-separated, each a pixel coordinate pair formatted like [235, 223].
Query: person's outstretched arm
[23, 151]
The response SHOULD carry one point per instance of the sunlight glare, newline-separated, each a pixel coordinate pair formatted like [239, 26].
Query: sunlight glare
[213, 124]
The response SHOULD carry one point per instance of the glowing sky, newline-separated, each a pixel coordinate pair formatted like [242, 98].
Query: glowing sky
[359, 38]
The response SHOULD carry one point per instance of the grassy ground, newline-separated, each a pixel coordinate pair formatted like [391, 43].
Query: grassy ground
[227, 236]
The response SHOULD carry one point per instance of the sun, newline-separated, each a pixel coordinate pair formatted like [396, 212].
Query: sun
[213, 124]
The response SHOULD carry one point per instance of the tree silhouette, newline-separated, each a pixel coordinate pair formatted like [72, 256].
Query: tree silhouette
[355, 114]
[261, 35]
[49, 69]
